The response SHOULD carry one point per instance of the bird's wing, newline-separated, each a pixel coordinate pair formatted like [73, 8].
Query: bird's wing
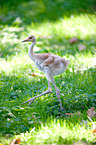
[45, 58]
[48, 61]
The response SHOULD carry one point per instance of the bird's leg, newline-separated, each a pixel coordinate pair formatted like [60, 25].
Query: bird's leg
[46, 92]
[58, 95]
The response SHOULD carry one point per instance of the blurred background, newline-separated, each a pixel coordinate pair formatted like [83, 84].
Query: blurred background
[25, 12]
[58, 19]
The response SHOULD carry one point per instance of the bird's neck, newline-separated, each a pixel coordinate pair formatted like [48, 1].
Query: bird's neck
[31, 52]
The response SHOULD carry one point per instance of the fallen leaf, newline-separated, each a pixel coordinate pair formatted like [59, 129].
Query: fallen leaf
[37, 74]
[1, 144]
[15, 142]
[81, 47]
[1, 54]
[33, 74]
[73, 40]
[81, 143]
[91, 112]
[94, 128]
[45, 37]
[69, 114]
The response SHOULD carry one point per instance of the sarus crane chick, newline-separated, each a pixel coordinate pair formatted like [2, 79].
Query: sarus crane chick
[49, 64]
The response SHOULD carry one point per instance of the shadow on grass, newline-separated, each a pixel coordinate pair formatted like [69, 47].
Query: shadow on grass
[38, 11]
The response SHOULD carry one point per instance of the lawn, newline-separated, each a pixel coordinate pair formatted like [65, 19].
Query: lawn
[54, 23]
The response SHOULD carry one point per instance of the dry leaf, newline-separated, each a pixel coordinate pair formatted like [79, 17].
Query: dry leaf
[91, 112]
[37, 74]
[94, 128]
[15, 142]
[73, 40]
[69, 114]
[81, 143]
[45, 37]
[1, 54]
[81, 47]
[33, 74]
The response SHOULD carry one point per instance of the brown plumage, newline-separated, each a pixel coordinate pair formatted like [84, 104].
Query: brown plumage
[49, 64]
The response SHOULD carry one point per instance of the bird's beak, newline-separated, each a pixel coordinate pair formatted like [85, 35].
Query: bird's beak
[25, 40]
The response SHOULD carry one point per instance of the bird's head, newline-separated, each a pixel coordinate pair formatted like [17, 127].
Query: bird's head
[31, 38]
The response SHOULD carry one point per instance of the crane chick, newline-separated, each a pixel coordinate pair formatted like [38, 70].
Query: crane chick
[49, 64]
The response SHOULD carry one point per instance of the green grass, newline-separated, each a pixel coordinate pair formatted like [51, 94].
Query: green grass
[53, 23]
[56, 132]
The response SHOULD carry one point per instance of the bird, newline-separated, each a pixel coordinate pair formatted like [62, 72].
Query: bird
[50, 64]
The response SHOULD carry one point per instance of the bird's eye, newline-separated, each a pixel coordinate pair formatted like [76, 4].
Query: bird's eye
[30, 37]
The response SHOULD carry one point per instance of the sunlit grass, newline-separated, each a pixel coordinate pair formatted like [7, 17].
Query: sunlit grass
[81, 26]
[54, 132]
[22, 63]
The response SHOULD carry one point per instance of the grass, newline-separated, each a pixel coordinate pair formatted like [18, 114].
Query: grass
[42, 122]
[56, 132]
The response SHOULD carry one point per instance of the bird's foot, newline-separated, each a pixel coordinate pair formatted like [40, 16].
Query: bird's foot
[30, 100]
